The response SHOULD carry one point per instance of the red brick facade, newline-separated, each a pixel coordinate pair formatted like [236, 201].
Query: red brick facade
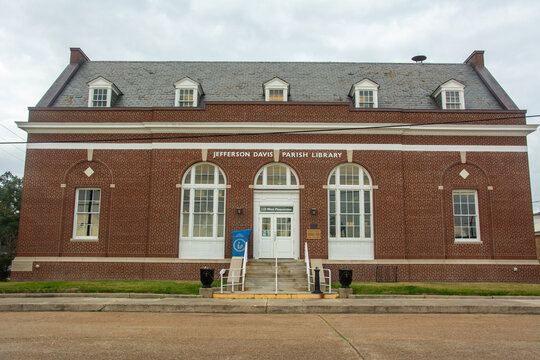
[412, 201]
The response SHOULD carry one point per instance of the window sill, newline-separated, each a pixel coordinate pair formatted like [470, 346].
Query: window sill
[467, 242]
[368, 240]
[84, 240]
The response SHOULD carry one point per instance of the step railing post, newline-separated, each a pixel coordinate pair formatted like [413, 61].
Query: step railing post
[317, 282]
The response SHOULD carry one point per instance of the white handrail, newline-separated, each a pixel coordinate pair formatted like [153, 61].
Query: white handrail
[306, 258]
[275, 255]
[328, 279]
[244, 266]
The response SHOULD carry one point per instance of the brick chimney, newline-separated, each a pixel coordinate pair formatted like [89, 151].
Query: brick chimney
[476, 58]
[77, 56]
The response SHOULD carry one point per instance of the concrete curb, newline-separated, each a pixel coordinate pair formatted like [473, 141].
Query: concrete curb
[401, 305]
[182, 296]
[441, 297]
[100, 295]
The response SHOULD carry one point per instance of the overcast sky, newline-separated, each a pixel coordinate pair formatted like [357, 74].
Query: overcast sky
[35, 37]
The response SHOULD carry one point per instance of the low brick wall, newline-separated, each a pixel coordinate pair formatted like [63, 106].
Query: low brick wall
[446, 272]
[66, 271]
[109, 270]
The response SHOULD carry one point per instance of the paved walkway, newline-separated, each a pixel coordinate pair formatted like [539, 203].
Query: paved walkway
[193, 304]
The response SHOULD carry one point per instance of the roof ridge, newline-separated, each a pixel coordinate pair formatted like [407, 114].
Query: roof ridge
[273, 62]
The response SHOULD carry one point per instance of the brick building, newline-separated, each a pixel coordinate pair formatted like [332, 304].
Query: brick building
[141, 170]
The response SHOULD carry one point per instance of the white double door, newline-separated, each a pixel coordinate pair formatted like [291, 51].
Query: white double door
[276, 238]
[276, 224]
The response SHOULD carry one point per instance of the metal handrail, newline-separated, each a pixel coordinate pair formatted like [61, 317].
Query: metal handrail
[276, 265]
[306, 258]
[308, 272]
[328, 279]
[244, 266]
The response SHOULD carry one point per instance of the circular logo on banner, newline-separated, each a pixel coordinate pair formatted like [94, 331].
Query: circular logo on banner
[239, 244]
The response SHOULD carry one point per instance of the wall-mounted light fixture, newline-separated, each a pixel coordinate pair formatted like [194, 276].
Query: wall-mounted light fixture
[313, 211]
[239, 210]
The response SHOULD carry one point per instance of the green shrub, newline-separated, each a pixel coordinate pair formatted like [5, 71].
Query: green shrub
[5, 261]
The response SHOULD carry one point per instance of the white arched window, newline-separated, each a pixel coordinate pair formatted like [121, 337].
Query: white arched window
[350, 213]
[203, 212]
[276, 175]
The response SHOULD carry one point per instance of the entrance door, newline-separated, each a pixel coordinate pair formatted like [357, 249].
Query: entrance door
[276, 213]
[276, 237]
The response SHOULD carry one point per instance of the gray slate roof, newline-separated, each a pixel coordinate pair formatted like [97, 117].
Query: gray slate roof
[402, 86]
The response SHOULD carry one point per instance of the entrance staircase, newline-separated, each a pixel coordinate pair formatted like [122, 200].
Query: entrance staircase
[260, 276]
[260, 282]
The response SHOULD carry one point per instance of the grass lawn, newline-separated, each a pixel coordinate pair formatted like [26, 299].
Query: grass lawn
[104, 286]
[192, 287]
[433, 288]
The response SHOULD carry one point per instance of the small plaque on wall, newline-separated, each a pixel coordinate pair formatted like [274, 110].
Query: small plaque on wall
[313, 234]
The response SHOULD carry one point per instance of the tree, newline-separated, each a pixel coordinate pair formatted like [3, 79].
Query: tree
[10, 206]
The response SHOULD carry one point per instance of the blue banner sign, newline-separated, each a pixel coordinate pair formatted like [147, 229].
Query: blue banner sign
[240, 238]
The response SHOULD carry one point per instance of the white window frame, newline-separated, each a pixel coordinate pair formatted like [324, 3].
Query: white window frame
[215, 187]
[351, 248]
[451, 85]
[477, 218]
[290, 174]
[365, 85]
[106, 94]
[187, 84]
[76, 212]
[276, 84]
[101, 83]
[362, 188]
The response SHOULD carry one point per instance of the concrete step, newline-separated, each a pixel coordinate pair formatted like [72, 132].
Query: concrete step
[273, 295]
[273, 273]
[260, 276]
[272, 279]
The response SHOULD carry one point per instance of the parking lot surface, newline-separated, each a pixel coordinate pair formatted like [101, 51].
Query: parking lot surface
[67, 335]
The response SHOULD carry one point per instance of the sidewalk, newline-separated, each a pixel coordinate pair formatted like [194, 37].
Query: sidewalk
[195, 304]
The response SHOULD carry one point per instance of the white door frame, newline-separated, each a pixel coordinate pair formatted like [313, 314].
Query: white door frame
[276, 198]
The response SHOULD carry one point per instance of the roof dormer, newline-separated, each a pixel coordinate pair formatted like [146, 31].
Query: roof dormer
[365, 94]
[102, 93]
[276, 90]
[187, 93]
[450, 95]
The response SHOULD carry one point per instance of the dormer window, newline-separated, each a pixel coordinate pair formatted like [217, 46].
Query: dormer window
[188, 93]
[276, 90]
[453, 100]
[364, 94]
[185, 97]
[275, 95]
[450, 95]
[102, 93]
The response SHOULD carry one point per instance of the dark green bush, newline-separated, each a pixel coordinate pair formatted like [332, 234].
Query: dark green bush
[5, 261]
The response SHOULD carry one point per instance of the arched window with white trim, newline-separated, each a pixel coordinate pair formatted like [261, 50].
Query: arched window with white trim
[202, 234]
[350, 213]
[276, 175]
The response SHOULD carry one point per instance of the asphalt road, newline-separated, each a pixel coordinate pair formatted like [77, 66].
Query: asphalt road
[64, 335]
